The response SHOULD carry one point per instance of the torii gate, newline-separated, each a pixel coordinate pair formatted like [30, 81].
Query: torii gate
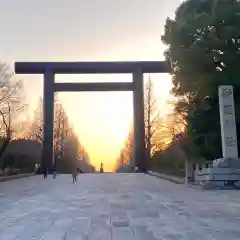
[137, 69]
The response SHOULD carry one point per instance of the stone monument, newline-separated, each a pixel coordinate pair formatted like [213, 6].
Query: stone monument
[228, 130]
[225, 170]
[227, 120]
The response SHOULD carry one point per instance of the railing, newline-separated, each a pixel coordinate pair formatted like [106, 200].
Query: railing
[203, 165]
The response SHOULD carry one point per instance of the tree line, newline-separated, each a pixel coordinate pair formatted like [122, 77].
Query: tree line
[21, 140]
[203, 51]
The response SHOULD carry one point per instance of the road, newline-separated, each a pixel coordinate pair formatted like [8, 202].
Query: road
[115, 207]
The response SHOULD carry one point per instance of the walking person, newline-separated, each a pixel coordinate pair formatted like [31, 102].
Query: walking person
[54, 172]
[74, 174]
[45, 172]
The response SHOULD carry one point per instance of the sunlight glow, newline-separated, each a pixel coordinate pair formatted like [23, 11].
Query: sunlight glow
[102, 119]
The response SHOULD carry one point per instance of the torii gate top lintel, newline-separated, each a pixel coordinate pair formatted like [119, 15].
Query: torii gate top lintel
[91, 67]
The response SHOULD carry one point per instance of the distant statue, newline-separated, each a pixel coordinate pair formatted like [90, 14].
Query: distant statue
[101, 167]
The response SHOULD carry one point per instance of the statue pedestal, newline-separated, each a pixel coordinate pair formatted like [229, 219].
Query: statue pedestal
[224, 172]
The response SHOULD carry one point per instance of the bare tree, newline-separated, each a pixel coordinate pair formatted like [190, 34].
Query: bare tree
[60, 131]
[11, 104]
[36, 126]
[11, 99]
[60, 125]
[152, 119]
[126, 153]
[67, 147]
[153, 140]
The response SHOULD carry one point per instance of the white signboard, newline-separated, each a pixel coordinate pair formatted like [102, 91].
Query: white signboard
[227, 120]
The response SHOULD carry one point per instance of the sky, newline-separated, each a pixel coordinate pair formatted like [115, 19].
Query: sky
[88, 30]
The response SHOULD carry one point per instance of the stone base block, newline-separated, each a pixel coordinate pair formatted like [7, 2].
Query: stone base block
[227, 163]
[218, 174]
[224, 172]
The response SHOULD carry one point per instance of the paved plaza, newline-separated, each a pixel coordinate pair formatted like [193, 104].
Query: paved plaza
[115, 207]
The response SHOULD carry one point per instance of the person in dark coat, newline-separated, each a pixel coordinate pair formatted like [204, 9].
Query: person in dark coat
[74, 174]
[45, 172]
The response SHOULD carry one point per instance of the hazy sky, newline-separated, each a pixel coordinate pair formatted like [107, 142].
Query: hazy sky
[65, 30]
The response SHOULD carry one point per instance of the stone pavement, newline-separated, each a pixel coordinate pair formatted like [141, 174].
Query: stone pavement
[115, 207]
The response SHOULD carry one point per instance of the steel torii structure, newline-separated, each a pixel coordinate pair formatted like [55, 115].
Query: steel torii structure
[136, 68]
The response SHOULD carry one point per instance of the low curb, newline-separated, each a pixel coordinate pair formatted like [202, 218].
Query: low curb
[173, 179]
[17, 176]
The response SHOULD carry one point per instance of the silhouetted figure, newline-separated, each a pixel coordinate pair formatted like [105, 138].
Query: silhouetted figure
[74, 174]
[54, 172]
[45, 172]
